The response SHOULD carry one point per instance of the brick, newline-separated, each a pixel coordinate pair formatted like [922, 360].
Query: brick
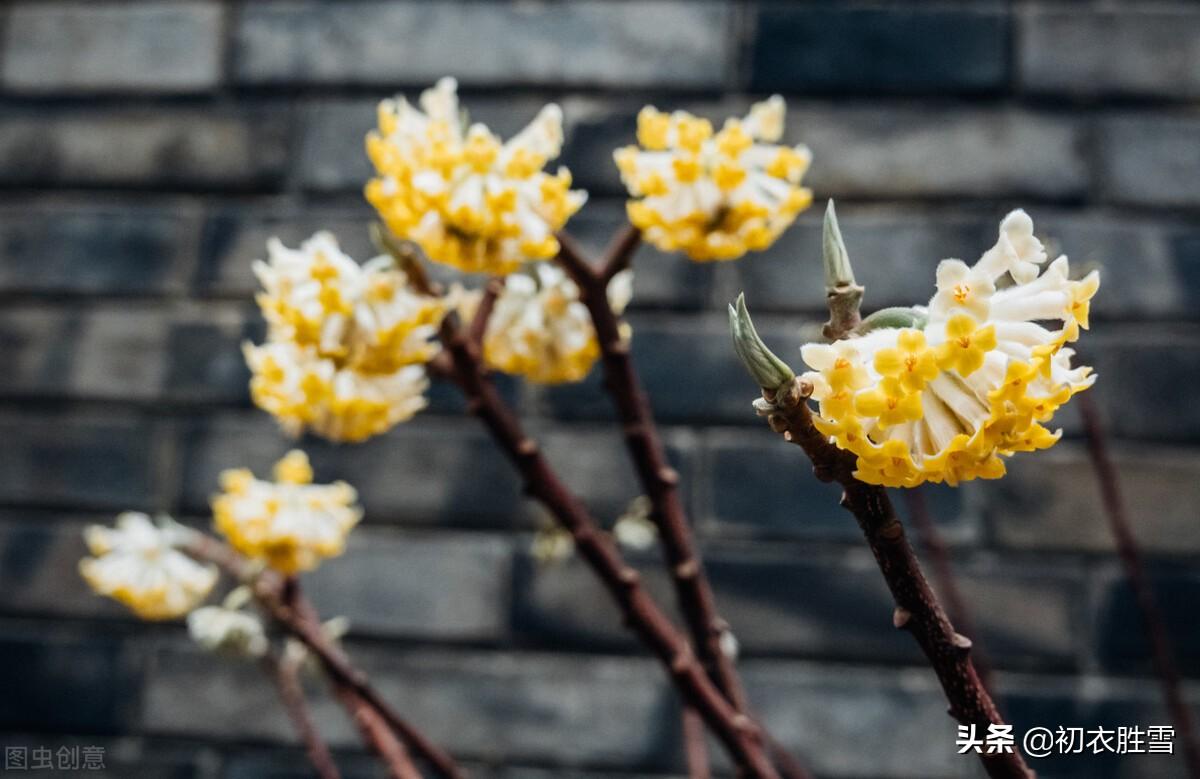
[102, 353]
[826, 604]
[1143, 370]
[855, 50]
[564, 605]
[1131, 51]
[425, 471]
[941, 152]
[144, 47]
[163, 149]
[1148, 159]
[294, 764]
[102, 462]
[234, 236]
[99, 675]
[226, 701]
[96, 250]
[40, 573]
[444, 587]
[1052, 501]
[1120, 639]
[763, 487]
[204, 361]
[858, 721]
[496, 707]
[895, 254]
[654, 43]
[1148, 265]
[932, 151]
[689, 369]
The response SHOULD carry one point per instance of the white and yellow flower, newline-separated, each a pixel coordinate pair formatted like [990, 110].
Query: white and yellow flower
[972, 381]
[539, 329]
[291, 524]
[228, 631]
[468, 199]
[345, 342]
[714, 196]
[139, 564]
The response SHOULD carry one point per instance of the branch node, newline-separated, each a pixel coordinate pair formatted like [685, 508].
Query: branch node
[688, 569]
[961, 642]
[778, 423]
[629, 576]
[527, 447]
[668, 475]
[681, 661]
[900, 617]
[618, 347]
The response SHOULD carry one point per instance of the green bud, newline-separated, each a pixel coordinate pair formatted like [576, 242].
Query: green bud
[897, 316]
[769, 371]
[838, 272]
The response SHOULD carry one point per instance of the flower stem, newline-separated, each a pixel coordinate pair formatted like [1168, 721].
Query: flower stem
[917, 608]
[298, 619]
[1131, 558]
[738, 733]
[287, 681]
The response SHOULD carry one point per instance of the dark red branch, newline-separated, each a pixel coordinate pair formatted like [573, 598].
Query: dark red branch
[272, 591]
[956, 607]
[917, 608]
[376, 734]
[659, 480]
[478, 327]
[1131, 558]
[695, 745]
[287, 682]
[619, 254]
[738, 733]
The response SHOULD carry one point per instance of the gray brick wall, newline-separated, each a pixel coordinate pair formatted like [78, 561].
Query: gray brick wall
[148, 149]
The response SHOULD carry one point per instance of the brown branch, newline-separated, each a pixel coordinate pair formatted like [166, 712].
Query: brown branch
[917, 608]
[286, 677]
[659, 480]
[931, 538]
[695, 745]
[487, 302]
[272, 592]
[1153, 622]
[376, 733]
[738, 733]
[619, 254]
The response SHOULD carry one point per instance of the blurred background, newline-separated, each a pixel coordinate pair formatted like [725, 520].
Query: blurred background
[149, 148]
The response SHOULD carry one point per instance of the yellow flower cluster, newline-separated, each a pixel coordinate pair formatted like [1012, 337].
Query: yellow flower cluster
[139, 564]
[345, 344]
[539, 329]
[944, 401]
[291, 523]
[714, 196]
[465, 197]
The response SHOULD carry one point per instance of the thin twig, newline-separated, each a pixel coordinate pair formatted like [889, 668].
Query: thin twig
[738, 733]
[487, 302]
[287, 681]
[695, 744]
[917, 608]
[1153, 622]
[658, 479]
[269, 588]
[619, 254]
[931, 538]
